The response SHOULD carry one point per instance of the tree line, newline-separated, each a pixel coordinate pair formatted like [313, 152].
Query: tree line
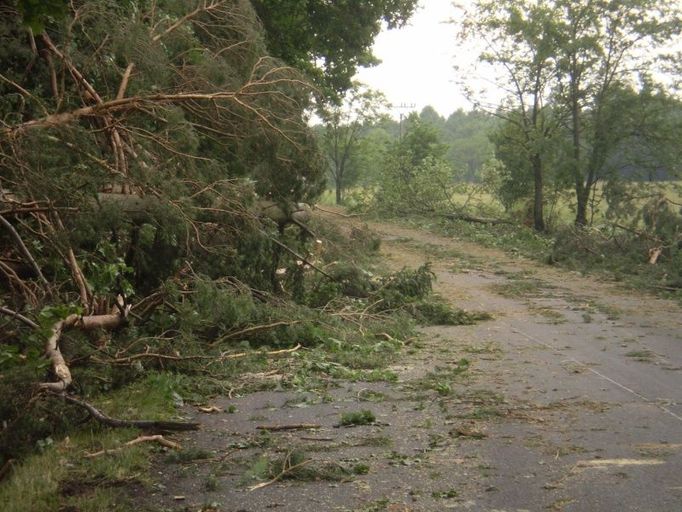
[589, 104]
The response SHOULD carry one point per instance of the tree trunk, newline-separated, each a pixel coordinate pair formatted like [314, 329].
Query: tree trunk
[538, 197]
[339, 179]
[582, 196]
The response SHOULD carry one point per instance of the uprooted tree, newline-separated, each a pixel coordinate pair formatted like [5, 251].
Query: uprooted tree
[134, 140]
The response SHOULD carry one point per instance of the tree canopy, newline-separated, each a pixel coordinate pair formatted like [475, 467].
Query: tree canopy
[329, 40]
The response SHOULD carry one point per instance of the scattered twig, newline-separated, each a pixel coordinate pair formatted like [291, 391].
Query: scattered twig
[210, 409]
[296, 426]
[285, 471]
[157, 425]
[158, 438]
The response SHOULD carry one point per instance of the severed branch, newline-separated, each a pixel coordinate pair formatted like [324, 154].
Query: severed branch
[156, 425]
[299, 257]
[86, 323]
[124, 81]
[158, 438]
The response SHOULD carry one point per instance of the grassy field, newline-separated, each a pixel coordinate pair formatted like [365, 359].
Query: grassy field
[560, 206]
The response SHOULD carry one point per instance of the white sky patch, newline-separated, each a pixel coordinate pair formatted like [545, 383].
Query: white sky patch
[418, 61]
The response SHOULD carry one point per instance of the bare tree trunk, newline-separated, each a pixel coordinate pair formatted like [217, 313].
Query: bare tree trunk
[538, 196]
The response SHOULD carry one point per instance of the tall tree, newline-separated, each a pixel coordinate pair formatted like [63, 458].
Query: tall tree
[601, 46]
[344, 125]
[519, 36]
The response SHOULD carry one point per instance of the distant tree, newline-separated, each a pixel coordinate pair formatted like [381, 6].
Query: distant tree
[421, 139]
[415, 175]
[467, 134]
[429, 116]
[344, 125]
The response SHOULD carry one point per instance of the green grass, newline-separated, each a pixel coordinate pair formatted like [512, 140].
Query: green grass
[355, 418]
[443, 379]
[645, 356]
[62, 477]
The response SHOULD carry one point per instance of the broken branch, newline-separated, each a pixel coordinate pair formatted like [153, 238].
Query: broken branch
[158, 438]
[143, 424]
[18, 316]
[86, 323]
[296, 426]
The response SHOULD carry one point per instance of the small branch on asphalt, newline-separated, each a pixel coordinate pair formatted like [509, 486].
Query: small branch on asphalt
[296, 426]
[157, 438]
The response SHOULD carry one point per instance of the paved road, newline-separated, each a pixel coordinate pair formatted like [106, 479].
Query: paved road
[572, 402]
[596, 367]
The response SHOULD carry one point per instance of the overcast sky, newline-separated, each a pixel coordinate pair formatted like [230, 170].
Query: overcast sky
[418, 61]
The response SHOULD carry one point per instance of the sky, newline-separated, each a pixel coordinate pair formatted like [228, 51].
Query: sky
[418, 62]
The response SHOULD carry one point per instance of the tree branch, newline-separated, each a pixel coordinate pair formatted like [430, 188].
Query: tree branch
[155, 425]
[18, 316]
[23, 249]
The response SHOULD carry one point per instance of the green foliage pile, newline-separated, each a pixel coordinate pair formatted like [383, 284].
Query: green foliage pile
[136, 140]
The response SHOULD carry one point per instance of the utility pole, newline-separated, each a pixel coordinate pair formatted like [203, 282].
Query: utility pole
[400, 108]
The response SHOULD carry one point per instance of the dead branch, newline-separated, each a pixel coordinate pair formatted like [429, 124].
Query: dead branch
[297, 426]
[344, 215]
[286, 469]
[471, 218]
[18, 316]
[23, 249]
[201, 9]
[15, 280]
[214, 359]
[299, 257]
[142, 424]
[157, 438]
[239, 355]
